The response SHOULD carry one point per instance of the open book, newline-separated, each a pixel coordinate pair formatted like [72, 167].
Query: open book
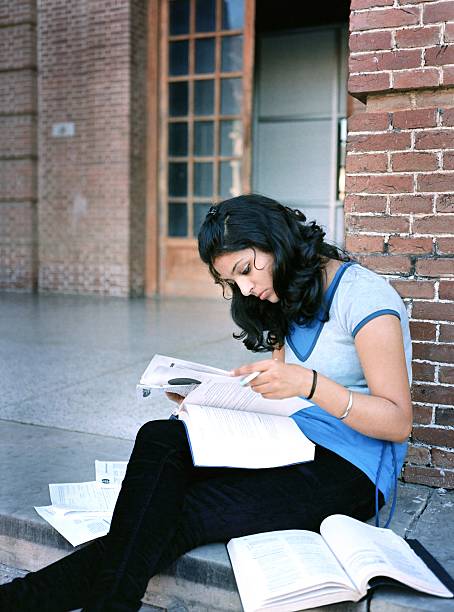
[229, 425]
[284, 571]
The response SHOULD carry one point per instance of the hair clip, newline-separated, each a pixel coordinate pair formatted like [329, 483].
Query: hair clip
[213, 211]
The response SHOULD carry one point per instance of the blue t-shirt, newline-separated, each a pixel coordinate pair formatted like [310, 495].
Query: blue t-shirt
[355, 296]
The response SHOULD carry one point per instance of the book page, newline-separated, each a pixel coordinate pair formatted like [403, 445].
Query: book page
[162, 363]
[366, 551]
[228, 438]
[277, 566]
[228, 393]
[84, 496]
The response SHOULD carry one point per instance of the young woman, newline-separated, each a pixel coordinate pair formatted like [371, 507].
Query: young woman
[338, 334]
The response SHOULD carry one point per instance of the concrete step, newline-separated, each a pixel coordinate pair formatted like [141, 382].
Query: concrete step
[200, 581]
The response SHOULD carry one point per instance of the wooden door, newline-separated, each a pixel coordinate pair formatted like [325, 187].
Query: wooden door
[206, 64]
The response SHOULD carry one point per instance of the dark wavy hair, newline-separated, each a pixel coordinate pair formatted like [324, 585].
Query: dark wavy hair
[300, 255]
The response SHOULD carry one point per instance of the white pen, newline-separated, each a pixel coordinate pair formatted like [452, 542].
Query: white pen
[247, 379]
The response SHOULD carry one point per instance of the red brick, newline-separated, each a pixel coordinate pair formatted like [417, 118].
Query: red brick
[435, 181]
[405, 162]
[418, 455]
[446, 291]
[386, 264]
[370, 41]
[381, 183]
[422, 414]
[447, 117]
[434, 224]
[435, 139]
[415, 289]
[442, 458]
[439, 56]
[449, 32]
[416, 79]
[384, 223]
[411, 204]
[436, 311]
[13, 12]
[417, 246]
[359, 203]
[434, 352]
[448, 75]
[17, 180]
[445, 203]
[446, 329]
[371, 162]
[423, 371]
[389, 141]
[445, 246]
[433, 394]
[18, 47]
[448, 160]
[421, 330]
[364, 244]
[384, 18]
[415, 118]
[434, 435]
[438, 12]
[445, 416]
[435, 267]
[446, 375]
[418, 37]
[385, 60]
[369, 83]
[368, 122]
[435, 477]
[363, 4]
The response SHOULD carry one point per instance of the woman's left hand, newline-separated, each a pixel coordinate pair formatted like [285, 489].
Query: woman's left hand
[277, 380]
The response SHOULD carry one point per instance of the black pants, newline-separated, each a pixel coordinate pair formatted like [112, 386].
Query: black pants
[167, 506]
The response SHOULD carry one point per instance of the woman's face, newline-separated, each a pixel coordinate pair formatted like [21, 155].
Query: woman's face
[251, 270]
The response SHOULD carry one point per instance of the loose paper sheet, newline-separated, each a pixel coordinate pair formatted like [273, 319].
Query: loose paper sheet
[76, 527]
[110, 473]
[89, 496]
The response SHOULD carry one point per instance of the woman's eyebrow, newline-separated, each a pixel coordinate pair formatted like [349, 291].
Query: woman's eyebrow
[238, 262]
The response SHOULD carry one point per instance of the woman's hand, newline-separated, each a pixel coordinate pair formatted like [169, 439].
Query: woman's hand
[277, 380]
[175, 397]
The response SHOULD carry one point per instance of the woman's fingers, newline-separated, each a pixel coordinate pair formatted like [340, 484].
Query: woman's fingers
[258, 366]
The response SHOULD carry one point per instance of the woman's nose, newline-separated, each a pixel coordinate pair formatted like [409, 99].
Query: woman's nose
[245, 286]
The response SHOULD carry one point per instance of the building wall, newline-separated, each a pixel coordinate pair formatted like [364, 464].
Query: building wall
[18, 106]
[400, 203]
[87, 200]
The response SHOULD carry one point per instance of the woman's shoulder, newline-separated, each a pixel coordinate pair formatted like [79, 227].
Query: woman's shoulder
[361, 285]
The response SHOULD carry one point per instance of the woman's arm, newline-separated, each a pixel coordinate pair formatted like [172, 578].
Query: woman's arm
[386, 413]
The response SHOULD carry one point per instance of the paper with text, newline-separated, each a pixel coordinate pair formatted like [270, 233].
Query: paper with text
[110, 473]
[76, 527]
[220, 437]
[84, 496]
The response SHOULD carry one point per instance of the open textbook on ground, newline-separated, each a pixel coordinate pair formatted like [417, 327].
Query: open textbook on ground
[229, 425]
[284, 571]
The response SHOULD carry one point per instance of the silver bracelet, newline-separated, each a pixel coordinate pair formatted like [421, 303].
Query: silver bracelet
[349, 406]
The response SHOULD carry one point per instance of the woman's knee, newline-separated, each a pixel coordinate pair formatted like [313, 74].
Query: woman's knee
[169, 432]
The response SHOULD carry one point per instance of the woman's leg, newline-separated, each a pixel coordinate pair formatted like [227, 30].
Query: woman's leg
[167, 507]
[117, 567]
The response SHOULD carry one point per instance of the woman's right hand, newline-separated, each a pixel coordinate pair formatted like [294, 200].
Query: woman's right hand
[175, 397]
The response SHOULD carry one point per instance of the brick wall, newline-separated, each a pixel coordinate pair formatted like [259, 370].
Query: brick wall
[18, 190]
[87, 203]
[400, 202]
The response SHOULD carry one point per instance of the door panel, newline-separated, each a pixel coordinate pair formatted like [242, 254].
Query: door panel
[300, 102]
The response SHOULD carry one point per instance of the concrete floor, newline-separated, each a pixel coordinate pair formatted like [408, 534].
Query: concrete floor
[73, 362]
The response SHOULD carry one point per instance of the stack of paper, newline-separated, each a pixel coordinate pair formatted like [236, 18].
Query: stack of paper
[82, 511]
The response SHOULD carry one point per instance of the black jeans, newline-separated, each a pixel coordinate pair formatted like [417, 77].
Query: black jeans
[167, 506]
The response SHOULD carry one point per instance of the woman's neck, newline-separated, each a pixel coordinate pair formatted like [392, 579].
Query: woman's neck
[329, 271]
